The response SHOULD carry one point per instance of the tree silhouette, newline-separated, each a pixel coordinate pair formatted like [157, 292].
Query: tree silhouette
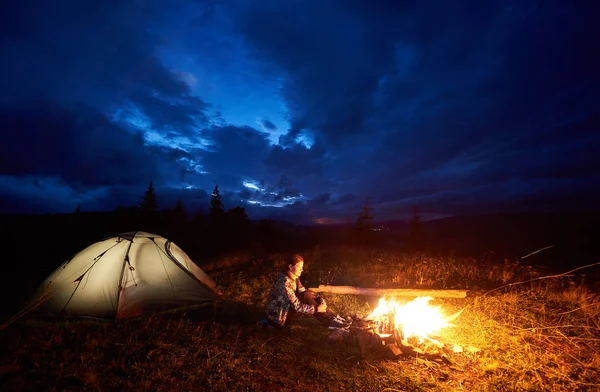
[238, 226]
[198, 220]
[237, 216]
[364, 222]
[197, 232]
[217, 212]
[149, 205]
[175, 222]
[266, 234]
[415, 232]
[179, 212]
[148, 210]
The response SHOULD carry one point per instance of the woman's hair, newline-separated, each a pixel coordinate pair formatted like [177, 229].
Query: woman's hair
[295, 259]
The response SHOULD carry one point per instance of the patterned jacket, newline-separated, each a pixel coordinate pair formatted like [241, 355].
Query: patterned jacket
[283, 297]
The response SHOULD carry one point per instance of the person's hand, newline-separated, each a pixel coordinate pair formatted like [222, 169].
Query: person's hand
[322, 307]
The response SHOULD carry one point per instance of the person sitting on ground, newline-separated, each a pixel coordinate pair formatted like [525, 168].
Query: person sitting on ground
[288, 297]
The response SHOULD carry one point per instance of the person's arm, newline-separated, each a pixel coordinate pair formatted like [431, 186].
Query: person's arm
[301, 288]
[295, 302]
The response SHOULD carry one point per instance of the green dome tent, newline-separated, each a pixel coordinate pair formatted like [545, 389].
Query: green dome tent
[125, 276]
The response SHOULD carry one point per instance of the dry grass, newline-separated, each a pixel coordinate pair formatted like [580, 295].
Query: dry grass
[540, 336]
[356, 266]
[536, 339]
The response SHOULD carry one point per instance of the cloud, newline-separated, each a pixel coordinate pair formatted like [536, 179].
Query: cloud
[181, 115]
[59, 158]
[412, 102]
[88, 105]
[39, 194]
[296, 160]
[236, 153]
[313, 55]
[187, 77]
[448, 107]
[343, 199]
[267, 125]
[321, 199]
[98, 53]
[83, 148]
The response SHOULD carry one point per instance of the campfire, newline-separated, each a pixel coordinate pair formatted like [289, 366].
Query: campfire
[413, 319]
[409, 328]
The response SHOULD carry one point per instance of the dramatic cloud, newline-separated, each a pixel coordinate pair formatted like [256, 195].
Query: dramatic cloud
[422, 104]
[266, 124]
[83, 148]
[301, 110]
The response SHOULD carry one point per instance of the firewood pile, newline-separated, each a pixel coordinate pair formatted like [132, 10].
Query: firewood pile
[381, 338]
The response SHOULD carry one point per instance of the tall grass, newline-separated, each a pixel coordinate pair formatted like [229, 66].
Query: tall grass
[540, 336]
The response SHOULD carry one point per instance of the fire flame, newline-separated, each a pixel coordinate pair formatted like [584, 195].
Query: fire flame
[415, 318]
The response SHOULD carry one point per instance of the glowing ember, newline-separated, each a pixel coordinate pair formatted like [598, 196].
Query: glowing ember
[415, 318]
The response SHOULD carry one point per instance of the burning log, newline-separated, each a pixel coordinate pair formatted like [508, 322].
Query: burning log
[373, 292]
[397, 329]
[393, 350]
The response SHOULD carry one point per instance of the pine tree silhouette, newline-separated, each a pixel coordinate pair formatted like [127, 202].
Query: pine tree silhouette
[238, 226]
[217, 212]
[198, 220]
[415, 232]
[365, 218]
[149, 205]
[179, 212]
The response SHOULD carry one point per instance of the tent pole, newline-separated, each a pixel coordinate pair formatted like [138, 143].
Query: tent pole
[125, 261]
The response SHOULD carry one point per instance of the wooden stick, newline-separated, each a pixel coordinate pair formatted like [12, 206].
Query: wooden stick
[389, 292]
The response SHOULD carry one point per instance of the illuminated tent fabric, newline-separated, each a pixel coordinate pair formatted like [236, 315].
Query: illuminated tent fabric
[125, 276]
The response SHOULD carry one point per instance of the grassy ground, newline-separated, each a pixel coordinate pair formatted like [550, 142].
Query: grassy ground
[544, 335]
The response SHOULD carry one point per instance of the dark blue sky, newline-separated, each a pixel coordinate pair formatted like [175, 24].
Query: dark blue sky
[301, 110]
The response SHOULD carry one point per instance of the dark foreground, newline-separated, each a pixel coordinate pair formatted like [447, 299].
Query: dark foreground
[543, 335]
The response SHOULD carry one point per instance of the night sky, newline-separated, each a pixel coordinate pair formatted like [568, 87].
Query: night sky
[301, 110]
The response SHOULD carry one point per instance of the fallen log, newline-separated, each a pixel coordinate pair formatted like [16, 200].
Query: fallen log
[373, 292]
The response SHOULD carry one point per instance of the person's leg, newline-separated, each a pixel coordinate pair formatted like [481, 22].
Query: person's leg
[324, 318]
